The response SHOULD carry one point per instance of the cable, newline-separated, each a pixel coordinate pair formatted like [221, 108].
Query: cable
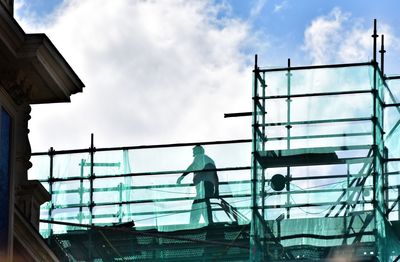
[155, 217]
[178, 212]
[318, 186]
[188, 193]
[172, 192]
[308, 212]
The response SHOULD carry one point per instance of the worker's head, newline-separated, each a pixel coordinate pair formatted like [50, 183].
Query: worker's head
[198, 150]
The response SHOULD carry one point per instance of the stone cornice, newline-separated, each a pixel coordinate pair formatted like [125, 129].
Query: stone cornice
[53, 80]
[48, 69]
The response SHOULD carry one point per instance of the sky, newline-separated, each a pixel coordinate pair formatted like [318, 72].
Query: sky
[166, 71]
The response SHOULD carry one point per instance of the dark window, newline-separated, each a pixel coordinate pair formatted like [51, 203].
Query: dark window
[5, 137]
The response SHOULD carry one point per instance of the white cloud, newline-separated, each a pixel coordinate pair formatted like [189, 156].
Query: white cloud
[323, 34]
[155, 72]
[257, 8]
[339, 38]
[281, 6]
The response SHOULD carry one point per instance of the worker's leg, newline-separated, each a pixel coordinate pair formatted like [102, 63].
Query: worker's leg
[195, 213]
[198, 204]
[209, 192]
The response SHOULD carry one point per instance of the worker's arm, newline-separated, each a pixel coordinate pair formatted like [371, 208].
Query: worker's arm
[193, 167]
[179, 180]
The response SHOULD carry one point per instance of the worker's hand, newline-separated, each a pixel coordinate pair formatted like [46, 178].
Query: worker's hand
[179, 180]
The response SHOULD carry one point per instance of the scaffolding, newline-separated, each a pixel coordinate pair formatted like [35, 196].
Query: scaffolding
[111, 204]
[325, 162]
[319, 180]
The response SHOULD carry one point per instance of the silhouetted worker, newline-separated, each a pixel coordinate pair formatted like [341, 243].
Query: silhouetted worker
[206, 181]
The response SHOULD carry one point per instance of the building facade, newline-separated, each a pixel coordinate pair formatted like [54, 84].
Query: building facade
[32, 71]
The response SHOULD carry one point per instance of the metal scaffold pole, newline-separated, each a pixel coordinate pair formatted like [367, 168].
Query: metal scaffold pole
[374, 121]
[91, 178]
[254, 149]
[288, 134]
[51, 177]
[263, 138]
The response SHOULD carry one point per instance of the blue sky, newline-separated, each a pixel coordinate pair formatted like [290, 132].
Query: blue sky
[282, 19]
[199, 55]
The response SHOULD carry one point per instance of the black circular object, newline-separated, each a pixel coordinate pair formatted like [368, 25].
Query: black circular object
[278, 182]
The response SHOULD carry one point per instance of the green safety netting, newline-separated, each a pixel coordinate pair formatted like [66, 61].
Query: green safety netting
[136, 188]
[320, 180]
[321, 185]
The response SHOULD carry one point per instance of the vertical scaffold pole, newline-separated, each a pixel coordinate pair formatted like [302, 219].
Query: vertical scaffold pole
[382, 52]
[384, 178]
[263, 195]
[51, 181]
[377, 160]
[374, 144]
[288, 128]
[374, 36]
[254, 230]
[91, 205]
[91, 177]
[81, 189]
[386, 181]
